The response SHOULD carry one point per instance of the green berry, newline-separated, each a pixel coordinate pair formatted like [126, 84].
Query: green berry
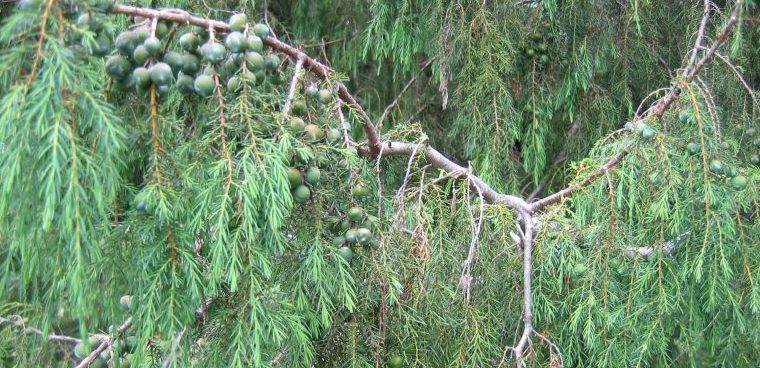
[162, 29]
[237, 22]
[739, 182]
[204, 85]
[103, 45]
[254, 61]
[364, 235]
[234, 84]
[142, 34]
[345, 253]
[355, 214]
[324, 96]
[313, 175]
[83, 21]
[301, 194]
[236, 42]
[255, 43]
[312, 91]
[118, 67]
[202, 32]
[684, 117]
[314, 132]
[126, 42]
[261, 30]
[716, 166]
[140, 55]
[294, 177]
[359, 191]
[299, 107]
[296, 125]
[272, 61]
[161, 74]
[275, 79]
[189, 42]
[260, 76]
[693, 148]
[185, 84]
[141, 76]
[162, 90]
[334, 136]
[579, 269]
[174, 59]
[250, 78]
[338, 241]
[190, 64]
[153, 45]
[213, 52]
[351, 236]
[396, 361]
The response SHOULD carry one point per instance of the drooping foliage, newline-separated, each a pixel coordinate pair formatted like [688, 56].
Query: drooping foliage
[210, 187]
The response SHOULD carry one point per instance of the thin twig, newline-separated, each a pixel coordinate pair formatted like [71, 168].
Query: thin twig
[466, 278]
[400, 193]
[700, 37]
[292, 91]
[379, 183]
[343, 123]
[739, 75]
[711, 108]
[175, 345]
[18, 321]
[551, 346]
[388, 108]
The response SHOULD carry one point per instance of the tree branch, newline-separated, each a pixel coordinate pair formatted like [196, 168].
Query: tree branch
[434, 156]
[104, 345]
[700, 37]
[668, 248]
[311, 64]
[392, 148]
[292, 89]
[659, 109]
[18, 321]
[527, 242]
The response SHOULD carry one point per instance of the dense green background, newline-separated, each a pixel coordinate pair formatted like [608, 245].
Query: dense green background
[78, 155]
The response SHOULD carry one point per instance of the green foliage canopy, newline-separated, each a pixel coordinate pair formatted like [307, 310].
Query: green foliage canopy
[195, 190]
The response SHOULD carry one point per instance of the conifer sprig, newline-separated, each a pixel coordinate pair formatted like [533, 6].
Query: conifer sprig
[256, 218]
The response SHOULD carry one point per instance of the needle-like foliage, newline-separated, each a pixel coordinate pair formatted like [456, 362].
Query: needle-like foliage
[359, 183]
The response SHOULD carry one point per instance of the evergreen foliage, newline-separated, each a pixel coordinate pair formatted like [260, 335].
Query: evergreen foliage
[182, 191]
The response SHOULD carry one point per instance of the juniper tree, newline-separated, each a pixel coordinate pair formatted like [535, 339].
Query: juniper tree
[348, 183]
